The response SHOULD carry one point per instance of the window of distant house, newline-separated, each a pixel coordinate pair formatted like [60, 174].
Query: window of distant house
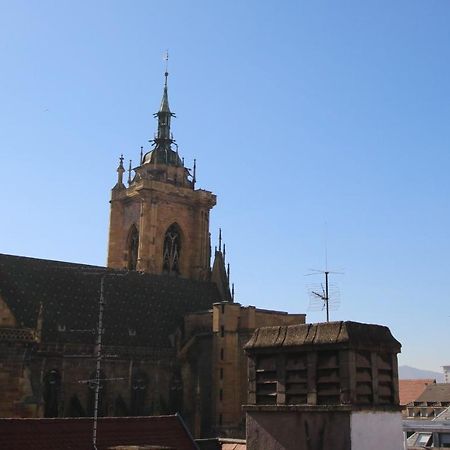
[172, 250]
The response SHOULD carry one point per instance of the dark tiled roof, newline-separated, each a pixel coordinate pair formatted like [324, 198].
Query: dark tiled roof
[439, 392]
[76, 434]
[410, 390]
[349, 333]
[141, 309]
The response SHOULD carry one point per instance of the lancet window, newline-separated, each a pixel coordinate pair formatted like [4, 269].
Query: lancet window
[172, 249]
[133, 247]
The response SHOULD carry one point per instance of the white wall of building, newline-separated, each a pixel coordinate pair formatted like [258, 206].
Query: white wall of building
[446, 374]
[376, 430]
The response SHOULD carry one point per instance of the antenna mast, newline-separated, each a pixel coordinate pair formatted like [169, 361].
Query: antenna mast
[325, 295]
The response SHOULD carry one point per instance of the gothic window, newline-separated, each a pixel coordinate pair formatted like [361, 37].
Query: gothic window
[52, 385]
[139, 383]
[172, 248]
[133, 246]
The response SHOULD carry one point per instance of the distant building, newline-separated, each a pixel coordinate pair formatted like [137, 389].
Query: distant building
[410, 390]
[446, 374]
[434, 400]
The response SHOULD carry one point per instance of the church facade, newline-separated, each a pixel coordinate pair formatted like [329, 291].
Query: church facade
[172, 335]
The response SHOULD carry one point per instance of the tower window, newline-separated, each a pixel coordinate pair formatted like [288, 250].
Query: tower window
[171, 252]
[133, 247]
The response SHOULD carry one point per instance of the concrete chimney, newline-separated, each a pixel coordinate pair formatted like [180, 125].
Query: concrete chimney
[323, 386]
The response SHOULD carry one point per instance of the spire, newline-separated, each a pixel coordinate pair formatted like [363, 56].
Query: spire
[129, 173]
[165, 98]
[164, 115]
[162, 153]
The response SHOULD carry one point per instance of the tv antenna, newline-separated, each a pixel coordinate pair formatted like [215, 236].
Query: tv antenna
[325, 297]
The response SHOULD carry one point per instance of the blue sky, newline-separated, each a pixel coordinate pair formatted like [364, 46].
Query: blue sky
[313, 122]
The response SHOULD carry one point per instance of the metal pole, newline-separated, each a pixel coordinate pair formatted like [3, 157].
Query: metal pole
[326, 296]
[98, 358]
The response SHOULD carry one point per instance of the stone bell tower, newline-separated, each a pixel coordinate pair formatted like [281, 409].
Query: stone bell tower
[159, 223]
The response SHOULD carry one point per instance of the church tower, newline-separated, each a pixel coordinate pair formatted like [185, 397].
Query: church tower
[159, 223]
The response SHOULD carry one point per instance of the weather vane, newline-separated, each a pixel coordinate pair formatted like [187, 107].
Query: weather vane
[166, 59]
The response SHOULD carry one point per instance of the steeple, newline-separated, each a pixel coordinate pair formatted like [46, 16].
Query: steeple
[163, 141]
[159, 220]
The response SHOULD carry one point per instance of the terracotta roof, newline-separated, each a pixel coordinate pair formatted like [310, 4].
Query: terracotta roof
[348, 333]
[410, 390]
[141, 309]
[439, 392]
[76, 434]
[234, 446]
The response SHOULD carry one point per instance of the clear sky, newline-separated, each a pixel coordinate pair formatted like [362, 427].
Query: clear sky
[312, 121]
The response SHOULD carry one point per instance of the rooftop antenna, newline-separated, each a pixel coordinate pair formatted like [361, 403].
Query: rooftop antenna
[326, 297]
[142, 155]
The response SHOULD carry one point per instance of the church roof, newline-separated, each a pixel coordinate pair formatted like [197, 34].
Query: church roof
[141, 309]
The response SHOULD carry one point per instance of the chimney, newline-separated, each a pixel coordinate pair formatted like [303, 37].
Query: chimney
[323, 386]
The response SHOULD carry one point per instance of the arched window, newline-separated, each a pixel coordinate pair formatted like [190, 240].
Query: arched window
[133, 247]
[139, 383]
[172, 248]
[52, 385]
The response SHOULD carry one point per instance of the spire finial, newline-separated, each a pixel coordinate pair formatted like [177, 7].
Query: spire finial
[120, 172]
[166, 73]
[129, 173]
[232, 292]
[228, 273]
[142, 155]
[220, 239]
[194, 175]
[224, 252]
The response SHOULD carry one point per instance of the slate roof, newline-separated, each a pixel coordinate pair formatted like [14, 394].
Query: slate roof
[355, 334]
[439, 392]
[76, 433]
[410, 390]
[141, 309]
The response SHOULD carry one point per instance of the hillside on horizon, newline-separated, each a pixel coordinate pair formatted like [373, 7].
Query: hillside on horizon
[412, 373]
